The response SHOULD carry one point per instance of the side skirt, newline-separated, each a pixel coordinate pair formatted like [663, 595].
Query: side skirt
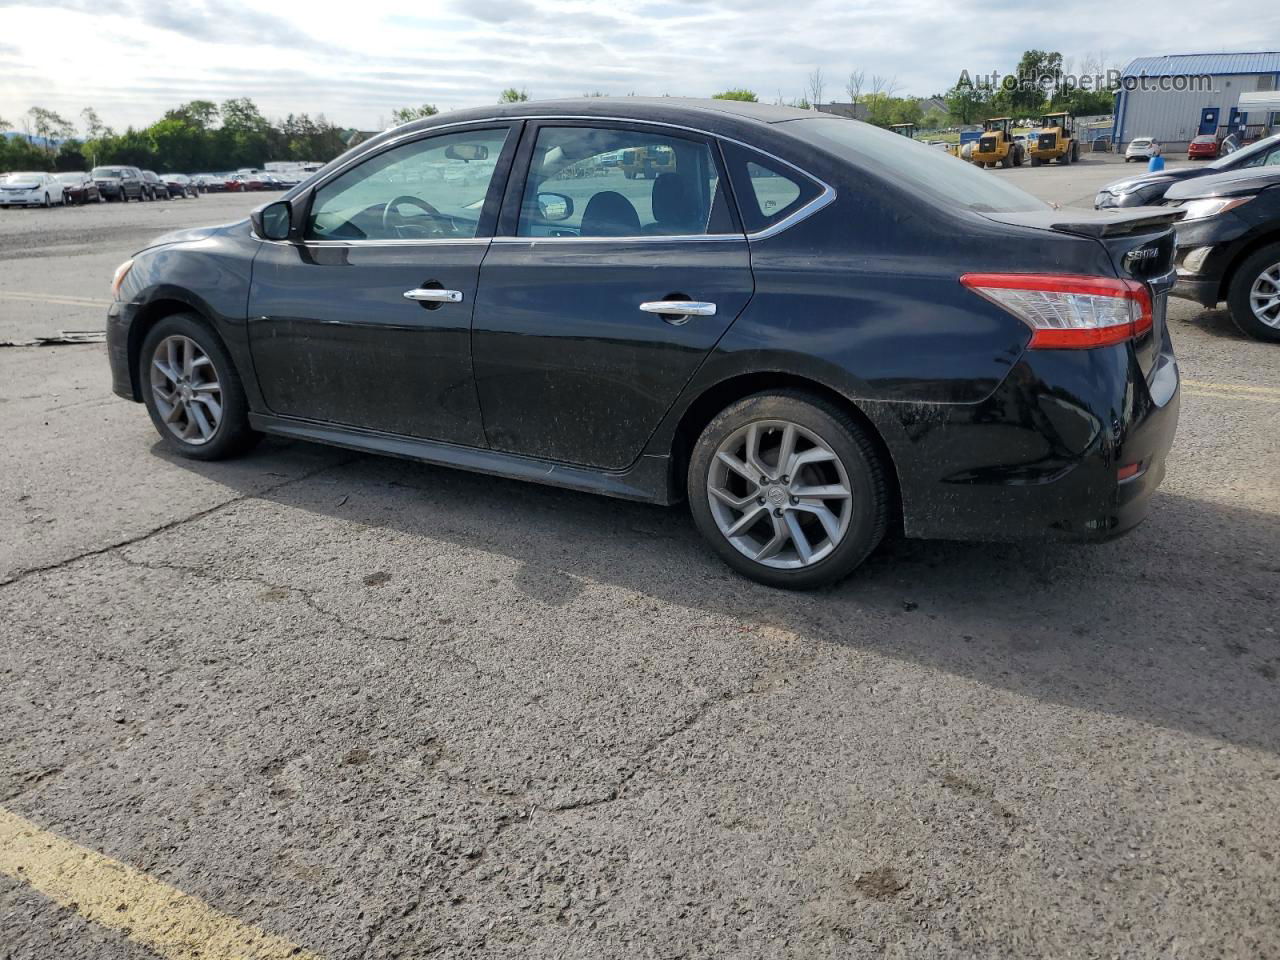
[648, 480]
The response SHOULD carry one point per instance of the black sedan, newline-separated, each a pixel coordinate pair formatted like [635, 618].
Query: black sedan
[806, 326]
[1229, 246]
[1150, 188]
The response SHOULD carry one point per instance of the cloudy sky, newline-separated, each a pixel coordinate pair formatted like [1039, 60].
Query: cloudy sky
[356, 60]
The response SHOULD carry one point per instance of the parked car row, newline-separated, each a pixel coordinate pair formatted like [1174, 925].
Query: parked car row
[124, 183]
[1228, 240]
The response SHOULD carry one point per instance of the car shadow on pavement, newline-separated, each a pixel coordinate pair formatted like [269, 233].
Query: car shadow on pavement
[1172, 625]
[1217, 323]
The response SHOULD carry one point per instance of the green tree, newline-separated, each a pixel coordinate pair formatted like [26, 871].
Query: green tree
[1039, 75]
[71, 157]
[934, 119]
[92, 123]
[202, 114]
[967, 101]
[49, 125]
[242, 139]
[16, 153]
[512, 95]
[179, 143]
[737, 93]
[406, 114]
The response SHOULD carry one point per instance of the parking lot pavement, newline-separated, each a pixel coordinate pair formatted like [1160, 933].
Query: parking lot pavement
[1074, 185]
[368, 708]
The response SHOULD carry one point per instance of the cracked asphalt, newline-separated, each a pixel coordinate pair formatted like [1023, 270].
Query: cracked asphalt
[381, 709]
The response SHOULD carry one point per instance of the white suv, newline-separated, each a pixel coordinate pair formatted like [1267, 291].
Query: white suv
[1141, 148]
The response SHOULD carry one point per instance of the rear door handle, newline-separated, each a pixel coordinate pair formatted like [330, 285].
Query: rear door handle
[680, 308]
[432, 295]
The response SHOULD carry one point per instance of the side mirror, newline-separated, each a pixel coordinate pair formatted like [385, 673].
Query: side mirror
[554, 207]
[272, 221]
[466, 152]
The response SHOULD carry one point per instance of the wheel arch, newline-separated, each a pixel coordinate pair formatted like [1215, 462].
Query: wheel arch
[1241, 255]
[147, 317]
[721, 394]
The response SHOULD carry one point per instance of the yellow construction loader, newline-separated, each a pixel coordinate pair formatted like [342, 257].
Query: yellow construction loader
[1055, 140]
[996, 145]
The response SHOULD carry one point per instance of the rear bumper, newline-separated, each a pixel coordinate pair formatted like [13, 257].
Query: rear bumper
[1039, 459]
[1203, 292]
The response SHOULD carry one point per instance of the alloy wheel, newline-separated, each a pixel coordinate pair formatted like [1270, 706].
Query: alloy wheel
[1264, 296]
[779, 494]
[186, 389]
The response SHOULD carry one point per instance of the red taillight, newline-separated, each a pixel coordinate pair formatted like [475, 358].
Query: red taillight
[1068, 312]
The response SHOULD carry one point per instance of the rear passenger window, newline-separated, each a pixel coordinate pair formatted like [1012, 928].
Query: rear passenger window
[590, 182]
[768, 191]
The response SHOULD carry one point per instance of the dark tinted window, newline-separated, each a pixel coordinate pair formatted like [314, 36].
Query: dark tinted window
[608, 182]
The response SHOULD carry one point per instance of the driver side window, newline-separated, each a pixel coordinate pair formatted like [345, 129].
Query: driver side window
[429, 189]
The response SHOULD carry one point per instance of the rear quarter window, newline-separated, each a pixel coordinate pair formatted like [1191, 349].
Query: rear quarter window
[768, 190]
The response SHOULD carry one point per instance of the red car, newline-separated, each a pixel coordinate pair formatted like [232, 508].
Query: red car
[235, 183]
[1203, 147]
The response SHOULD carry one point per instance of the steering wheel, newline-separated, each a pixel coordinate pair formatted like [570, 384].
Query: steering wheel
[437, 218]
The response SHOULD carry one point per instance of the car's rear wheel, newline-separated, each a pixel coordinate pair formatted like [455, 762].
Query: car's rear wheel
[788, 490]
[1254, 296]
[192, 390]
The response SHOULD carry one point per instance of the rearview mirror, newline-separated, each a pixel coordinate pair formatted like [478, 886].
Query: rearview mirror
[466, 152]
[554, 207]
[272, 221]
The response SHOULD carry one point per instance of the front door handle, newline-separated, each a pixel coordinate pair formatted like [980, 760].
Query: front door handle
[680, 308]
[433, 295]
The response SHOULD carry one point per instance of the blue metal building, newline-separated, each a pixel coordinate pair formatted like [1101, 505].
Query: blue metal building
[1176, 97]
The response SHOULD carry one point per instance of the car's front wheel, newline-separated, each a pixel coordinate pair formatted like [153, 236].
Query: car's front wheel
[788, 489]
[1254, 296]
[192, 390]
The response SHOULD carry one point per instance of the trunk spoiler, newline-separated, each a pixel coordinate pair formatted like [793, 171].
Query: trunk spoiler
[1094, 223]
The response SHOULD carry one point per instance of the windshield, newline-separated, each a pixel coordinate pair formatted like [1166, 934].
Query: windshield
[108, 172]
[933, 173]
[22, 177]
[70, 177]
[1253, 155]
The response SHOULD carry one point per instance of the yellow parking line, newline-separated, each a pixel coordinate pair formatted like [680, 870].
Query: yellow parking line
[1238, 387]
[1227, 395]
[171, 923]
[63, 299]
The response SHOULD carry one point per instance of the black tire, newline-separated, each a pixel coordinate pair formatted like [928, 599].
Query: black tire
[47, 202]
[844, 437]
[233, 435]
[1242, 281]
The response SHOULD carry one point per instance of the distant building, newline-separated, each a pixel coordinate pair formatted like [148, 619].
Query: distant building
[852, 111]
[1162, 97]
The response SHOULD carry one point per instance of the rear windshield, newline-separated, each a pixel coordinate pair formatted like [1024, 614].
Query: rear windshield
[946, 179]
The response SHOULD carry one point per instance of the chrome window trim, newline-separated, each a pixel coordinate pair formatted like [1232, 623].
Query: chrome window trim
[642, 238]
[825, 198]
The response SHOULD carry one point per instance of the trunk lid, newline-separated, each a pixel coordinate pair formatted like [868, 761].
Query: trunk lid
[1139, 243]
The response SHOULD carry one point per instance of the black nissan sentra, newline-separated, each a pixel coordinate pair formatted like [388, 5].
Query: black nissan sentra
[809, 328]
